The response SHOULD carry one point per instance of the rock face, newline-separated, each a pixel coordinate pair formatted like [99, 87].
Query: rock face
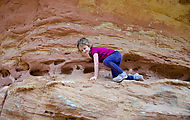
[75, 98]
[39, 59]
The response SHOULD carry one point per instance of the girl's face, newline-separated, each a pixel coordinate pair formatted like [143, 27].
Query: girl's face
[84, 49]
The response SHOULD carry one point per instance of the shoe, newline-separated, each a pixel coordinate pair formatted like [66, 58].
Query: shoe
[120, 77]
[138, 77]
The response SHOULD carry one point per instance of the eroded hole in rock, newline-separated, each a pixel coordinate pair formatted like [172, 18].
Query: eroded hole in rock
[22, 66]
[72, 118]
[48, 62]
[9, 84]
[188, 80]
[5, 72]
[38, 72]
[78, 67]
[58, 62]
[131, 57]
[49, 112]
[66, 70]
[88, 69]
[137, 68]
[170, 71]
[184, 1]
[67, 53]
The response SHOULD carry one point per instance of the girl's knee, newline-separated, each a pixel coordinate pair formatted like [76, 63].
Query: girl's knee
[106, 62]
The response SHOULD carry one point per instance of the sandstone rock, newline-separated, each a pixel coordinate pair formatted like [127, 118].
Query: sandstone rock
[39, 59]
[41, 98]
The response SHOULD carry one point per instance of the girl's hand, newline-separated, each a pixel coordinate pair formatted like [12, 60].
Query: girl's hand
[93, 78]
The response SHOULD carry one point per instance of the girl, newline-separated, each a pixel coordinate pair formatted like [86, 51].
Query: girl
[109, 57]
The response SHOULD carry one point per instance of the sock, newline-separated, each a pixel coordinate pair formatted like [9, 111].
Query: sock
[130, 77]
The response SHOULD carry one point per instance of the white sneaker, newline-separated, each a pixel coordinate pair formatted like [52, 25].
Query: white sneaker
[120, 77]
[138, 77]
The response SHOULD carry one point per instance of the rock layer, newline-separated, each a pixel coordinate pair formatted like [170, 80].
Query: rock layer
[42, 39]
[76, 98]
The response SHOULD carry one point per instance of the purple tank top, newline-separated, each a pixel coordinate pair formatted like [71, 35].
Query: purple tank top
[102, 52]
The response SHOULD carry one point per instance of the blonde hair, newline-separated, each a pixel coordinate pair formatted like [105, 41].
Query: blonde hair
[83, 41]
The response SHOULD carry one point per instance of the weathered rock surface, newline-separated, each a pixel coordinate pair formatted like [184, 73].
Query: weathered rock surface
[38, 49]
[76, 98]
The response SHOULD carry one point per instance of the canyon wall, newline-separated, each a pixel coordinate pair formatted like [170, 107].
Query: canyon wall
[38, 44]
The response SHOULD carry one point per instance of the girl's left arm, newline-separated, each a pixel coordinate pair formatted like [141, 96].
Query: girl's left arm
[96, 67]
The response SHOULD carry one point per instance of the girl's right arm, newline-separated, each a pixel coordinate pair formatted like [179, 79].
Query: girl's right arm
[96, 62]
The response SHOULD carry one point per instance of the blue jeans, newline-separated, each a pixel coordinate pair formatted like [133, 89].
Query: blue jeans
[113, 61]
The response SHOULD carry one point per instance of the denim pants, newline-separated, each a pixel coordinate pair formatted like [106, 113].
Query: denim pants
[113, 61]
